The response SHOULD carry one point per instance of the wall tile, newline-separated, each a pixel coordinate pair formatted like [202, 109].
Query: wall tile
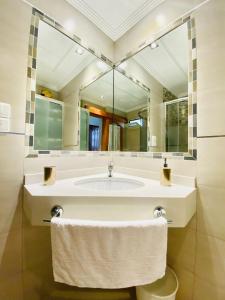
[11, 288]
[206, 291]
[211, 107]
[211, 157]
[10, 254]
[14, 32]
[181, 247]
[11, 181]
[210, 260]
[36, 245]
[210, 211]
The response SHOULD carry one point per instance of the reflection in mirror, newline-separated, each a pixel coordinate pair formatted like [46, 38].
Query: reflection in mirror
[131, 103]
[96, 114]
[163, 68]
[63, 66]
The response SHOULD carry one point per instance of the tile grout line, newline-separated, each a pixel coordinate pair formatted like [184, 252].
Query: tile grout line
[210, 136]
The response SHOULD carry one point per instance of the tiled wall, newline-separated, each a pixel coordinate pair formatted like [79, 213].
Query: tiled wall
[197, 253]
[13, 63]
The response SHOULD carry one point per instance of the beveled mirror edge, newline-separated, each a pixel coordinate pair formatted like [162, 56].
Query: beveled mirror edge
[37, 15]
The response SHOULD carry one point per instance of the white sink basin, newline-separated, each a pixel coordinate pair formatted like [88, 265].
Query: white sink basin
[109, 184]
[122, 197]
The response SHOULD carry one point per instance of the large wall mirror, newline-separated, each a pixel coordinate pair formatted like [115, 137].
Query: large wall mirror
[62, 69]
[162, 67]
[77, 100]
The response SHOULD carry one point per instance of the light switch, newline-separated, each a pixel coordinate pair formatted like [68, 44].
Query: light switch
[5, 110]
[4, 125]
[153, 141]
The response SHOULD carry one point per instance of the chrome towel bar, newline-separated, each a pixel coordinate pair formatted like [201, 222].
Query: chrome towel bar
[56, 211]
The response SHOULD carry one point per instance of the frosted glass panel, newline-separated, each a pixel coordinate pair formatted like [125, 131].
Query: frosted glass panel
[48, 125]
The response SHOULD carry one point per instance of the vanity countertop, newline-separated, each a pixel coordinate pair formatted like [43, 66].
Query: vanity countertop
[68, 188]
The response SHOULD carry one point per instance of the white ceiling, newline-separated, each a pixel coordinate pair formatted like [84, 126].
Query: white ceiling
[115, 17]
[57, 60]
[128, 95]
[169, 62]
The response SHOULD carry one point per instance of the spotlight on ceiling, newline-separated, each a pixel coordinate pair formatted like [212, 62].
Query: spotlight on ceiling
[154, 45]
[79, 51]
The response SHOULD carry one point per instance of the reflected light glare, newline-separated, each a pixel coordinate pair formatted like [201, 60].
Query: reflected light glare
[80, 51]
[154, 45]
[70, 25]
[161, 20]
[101, 65]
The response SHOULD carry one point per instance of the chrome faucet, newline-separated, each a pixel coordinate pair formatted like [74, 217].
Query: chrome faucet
[110, 168]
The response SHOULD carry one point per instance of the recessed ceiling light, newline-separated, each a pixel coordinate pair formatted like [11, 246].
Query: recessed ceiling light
[161, 20]
[79, 51]
[70, 25]
[154, 45]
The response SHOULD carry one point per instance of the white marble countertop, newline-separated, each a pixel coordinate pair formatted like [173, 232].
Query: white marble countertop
[150, 189]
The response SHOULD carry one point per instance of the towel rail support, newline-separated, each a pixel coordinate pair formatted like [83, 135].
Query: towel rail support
[56, 211]
[159, 211]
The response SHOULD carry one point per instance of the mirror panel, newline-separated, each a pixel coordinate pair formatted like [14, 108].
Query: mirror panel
[96, 111]
[131, 109]
[163, 67]
[62, 68]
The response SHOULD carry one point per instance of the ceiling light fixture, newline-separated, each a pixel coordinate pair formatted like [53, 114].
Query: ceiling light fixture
[79, 51]
[154, 45]
[70, 25]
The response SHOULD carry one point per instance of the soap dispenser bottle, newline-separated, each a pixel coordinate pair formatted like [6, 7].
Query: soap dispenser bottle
[165, 178]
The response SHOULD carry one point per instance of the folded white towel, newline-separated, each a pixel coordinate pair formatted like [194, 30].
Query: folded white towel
[102, 254]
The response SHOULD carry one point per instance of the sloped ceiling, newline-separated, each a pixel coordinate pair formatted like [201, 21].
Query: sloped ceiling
[128, 95]
[169, 62]
[57, 60]
[115, 17]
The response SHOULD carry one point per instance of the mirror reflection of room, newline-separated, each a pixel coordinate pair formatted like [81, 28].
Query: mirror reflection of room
[163, 67]
[96, 111]
[131, 103]
[63, 66]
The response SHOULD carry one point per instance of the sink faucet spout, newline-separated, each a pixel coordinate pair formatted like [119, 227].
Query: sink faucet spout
[110, 168]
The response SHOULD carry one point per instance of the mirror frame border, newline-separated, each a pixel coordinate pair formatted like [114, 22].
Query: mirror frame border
[37, 15]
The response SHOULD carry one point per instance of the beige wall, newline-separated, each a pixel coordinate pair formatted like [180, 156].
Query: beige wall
[197, 253]
[153, 23]
[13, 64]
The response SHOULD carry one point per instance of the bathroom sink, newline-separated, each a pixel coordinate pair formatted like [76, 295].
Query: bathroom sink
[109, 184]
[99, 197]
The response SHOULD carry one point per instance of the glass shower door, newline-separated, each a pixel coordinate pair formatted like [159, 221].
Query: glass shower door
[48, 129]
[177, 126]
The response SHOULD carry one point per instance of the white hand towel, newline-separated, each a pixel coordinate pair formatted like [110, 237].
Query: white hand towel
[102, 254]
